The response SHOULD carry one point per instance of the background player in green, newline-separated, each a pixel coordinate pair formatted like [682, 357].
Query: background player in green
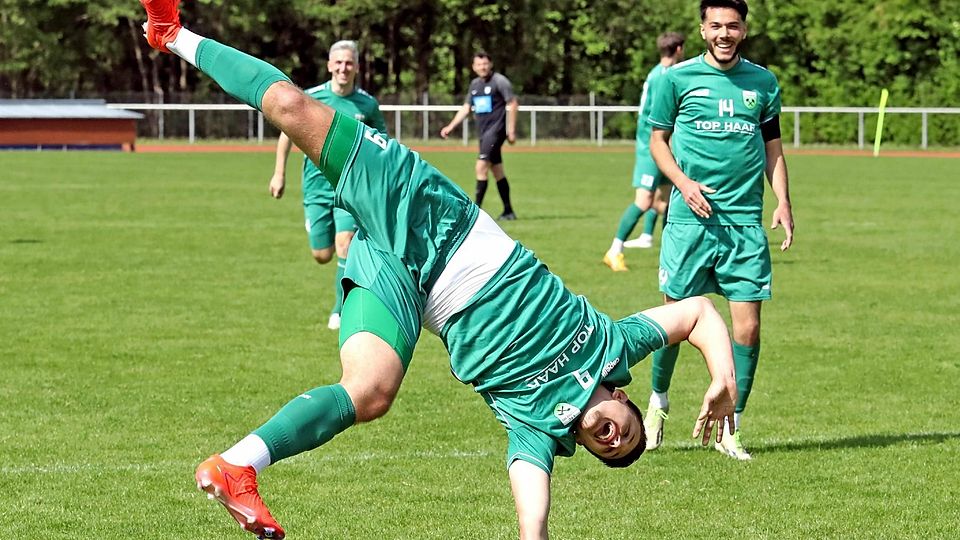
[330, 228]
[720, 114]
[646, 176]
[494, 107]
[546, 362]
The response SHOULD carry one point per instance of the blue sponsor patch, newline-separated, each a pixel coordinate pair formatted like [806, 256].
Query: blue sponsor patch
[482, 104]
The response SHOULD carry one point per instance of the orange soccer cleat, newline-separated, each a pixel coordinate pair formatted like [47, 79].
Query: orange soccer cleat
[163, 22]
[235, 488]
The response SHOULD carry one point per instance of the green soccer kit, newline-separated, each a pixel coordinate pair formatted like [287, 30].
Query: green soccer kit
[646, 175]
[322, 220]
[715, 117]
[531, 348]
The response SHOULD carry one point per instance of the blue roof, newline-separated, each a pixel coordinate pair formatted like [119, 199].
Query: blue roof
[62, 108]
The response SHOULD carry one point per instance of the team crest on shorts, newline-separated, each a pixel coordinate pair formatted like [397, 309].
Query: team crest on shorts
[750, 98]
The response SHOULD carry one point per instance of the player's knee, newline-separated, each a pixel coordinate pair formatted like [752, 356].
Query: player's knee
[323, 256]
[289, 101]
[372, 397]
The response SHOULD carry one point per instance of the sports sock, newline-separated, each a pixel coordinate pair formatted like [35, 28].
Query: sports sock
[251, 450]
[616, 247]
[650, 221]
[481, 191]
[736, 420]
[628, 221]
[658, 400]
[504, 188]
[745, 365]
[185, 46]
[307, 421]
[338, 286]
[239, 74]
[661, 369]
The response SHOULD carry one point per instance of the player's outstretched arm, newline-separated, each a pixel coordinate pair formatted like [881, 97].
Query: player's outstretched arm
[531, 494]
[461, 114]
[697, 321]
[278, 181]
[777, 176]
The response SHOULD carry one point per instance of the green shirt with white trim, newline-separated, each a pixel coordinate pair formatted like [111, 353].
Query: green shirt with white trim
[715, 117]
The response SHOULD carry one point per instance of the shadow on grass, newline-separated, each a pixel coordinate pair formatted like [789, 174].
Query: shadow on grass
[26, 241]
[860, 441]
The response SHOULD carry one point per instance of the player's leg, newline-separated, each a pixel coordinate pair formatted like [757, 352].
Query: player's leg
[346, 228]
[503, 185]
[744, 277]
[250, 80]
[651, 216]
[481, 171]
[642, 200]
[373, 355]
[686, 270]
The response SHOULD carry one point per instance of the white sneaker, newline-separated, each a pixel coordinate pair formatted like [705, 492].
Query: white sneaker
[334, 322]
[653, 426]
[731, 445]
[643, 241]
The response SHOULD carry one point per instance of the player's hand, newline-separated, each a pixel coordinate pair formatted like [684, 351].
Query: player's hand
[783, 215]
[277, 185]
[512, 137]
[444, 131]
[718, 404]
[692, 192]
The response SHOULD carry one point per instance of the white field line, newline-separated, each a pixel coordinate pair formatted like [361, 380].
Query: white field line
[82, 468]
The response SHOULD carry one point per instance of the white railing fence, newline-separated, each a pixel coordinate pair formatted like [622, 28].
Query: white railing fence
[595, 114]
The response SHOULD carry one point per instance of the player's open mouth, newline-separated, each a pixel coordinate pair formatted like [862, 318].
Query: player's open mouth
[608, 433]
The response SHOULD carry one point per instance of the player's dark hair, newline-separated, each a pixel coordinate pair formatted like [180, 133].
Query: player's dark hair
[482, 54]
[739, 5]
[669, 42]
[627, 460]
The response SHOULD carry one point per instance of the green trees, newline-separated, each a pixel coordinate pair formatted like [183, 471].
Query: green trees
[824, 52]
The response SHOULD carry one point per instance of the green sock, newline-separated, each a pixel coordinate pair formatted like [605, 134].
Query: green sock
[239, 74]
[661, 369]
[745, 365]
[338, 286]
[628, 221]
[307, 421]
[650, 221]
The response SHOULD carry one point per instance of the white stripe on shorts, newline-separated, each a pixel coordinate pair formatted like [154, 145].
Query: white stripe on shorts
[478, 258]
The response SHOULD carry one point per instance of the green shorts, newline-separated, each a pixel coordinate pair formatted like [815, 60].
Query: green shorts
[732, 261]
[646, 175]
[321, 219]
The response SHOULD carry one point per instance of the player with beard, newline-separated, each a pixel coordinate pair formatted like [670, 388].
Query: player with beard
[716, 131]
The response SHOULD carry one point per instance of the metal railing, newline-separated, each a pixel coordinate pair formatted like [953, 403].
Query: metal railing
[596, 114]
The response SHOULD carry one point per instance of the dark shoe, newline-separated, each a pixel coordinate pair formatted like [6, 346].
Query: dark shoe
[507, 216]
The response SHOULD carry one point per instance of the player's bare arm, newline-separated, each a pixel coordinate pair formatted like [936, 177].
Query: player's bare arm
[780, 184]
[531, 494]
[279, 179]
[461, 114]
[697, 321]
[512, 107]
[692, 190]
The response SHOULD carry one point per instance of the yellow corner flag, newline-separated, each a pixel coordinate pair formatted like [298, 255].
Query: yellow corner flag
[883, 107]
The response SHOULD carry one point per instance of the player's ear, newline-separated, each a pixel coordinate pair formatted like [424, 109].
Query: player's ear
[703, 34]
[620, 395]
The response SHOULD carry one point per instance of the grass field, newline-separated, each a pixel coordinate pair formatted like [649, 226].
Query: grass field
[156, 308]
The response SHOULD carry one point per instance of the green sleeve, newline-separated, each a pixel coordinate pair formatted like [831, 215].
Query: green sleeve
[376, 119]
[773, 100]
[663, 113]
[532, 446]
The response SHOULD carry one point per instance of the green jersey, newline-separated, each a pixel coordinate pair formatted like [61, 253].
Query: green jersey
[358, 105]
[536, 353]
[651, 87]
[715, 116]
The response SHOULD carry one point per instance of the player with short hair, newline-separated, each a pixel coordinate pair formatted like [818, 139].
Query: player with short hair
[494, 107]
[546, 362]
[330, 229]
[647, 178]
[716, 132]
